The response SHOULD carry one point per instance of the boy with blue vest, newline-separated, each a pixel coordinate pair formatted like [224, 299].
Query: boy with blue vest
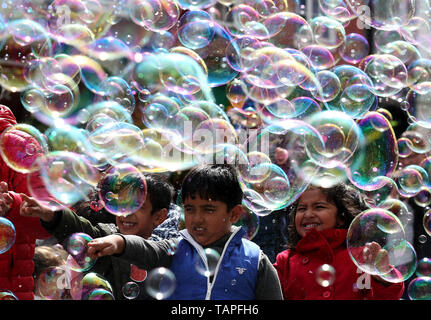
[212, 197]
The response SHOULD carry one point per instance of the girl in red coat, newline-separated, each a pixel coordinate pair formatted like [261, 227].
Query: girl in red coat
[317, 231]
[16, 264]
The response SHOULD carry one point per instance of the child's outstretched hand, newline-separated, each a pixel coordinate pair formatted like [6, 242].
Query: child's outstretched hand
[106, 246]
[31, 208]
[375, 255]
[6, 199]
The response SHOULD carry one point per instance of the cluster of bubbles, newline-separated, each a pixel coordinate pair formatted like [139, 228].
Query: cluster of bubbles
[130, 90]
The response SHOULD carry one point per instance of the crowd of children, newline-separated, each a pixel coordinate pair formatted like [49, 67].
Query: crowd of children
[315, 228]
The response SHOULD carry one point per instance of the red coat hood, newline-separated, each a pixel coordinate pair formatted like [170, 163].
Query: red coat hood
[7, 118]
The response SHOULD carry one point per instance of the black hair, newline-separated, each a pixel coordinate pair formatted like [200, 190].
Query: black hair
[348, 200]
[218, 182]
[160, 192]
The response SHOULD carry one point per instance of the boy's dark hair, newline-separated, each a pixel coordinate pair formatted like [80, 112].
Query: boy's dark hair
[160, 192]
[218, 182]
[349, 203]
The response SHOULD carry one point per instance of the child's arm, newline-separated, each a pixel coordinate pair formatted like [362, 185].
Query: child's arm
[6, 199]
[143, 253]
[268, 284]
[62, 223]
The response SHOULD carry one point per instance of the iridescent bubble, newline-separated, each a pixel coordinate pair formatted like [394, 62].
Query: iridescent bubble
[341, 136]
[294, 175]
[387, 73]
[320, 57]
[417, 134]
[423, 197]
[337, 9]
[7, 234]
[214, 55]
[325, 275]
[196, 4]
[330, 86]
[289, 30]
[67, 176]
[23, 42]
[93, 281]
[117, 89]
[424, 267]
[100, 294]
[328, 32]
[381, 15]
[249, 221]
[410, 179]
[404, 261]
[420, 288]
[422, 238]
[21, 146]
[403, 50]
[419, 75]
[160, 283]
[355, 48]
[427, 222]
[243, 20]
[77, 247]
[195, 30]
[404, 147]
[376, 155]
[207, 267]
[155, 15]
[371, 231]
[130, 290]
[107, 49]
[7, 295]
[122, 189]
[398, 208]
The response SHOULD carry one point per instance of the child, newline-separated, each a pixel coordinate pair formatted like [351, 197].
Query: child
[16, 264]
[318, 226]
[212, 198]
[142, 223]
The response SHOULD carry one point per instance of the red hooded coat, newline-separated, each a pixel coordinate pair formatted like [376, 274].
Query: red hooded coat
[16, 264]
[297, 271]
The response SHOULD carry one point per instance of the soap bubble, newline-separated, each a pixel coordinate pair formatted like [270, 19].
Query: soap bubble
[7, 295]
[325, 275]
[122, 189]
[160, 283]
[92, 281]
[100, 294]
[7, 234]
[207, 267]
[21, 146]
[420, 288]
[373, 229]
[423, 268]
[130, 290]
[249, 221]
[77, 247]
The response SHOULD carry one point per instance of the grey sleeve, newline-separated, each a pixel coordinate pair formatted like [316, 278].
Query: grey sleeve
[268, 284]
[148, 254]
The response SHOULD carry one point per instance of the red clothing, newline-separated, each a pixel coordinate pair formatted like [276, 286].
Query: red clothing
[297, 271]
[16, 264]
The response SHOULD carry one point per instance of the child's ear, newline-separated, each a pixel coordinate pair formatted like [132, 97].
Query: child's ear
[235, 213]
[159, 217]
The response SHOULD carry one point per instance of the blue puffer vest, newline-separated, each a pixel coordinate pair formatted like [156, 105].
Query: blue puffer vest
[234, 277]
